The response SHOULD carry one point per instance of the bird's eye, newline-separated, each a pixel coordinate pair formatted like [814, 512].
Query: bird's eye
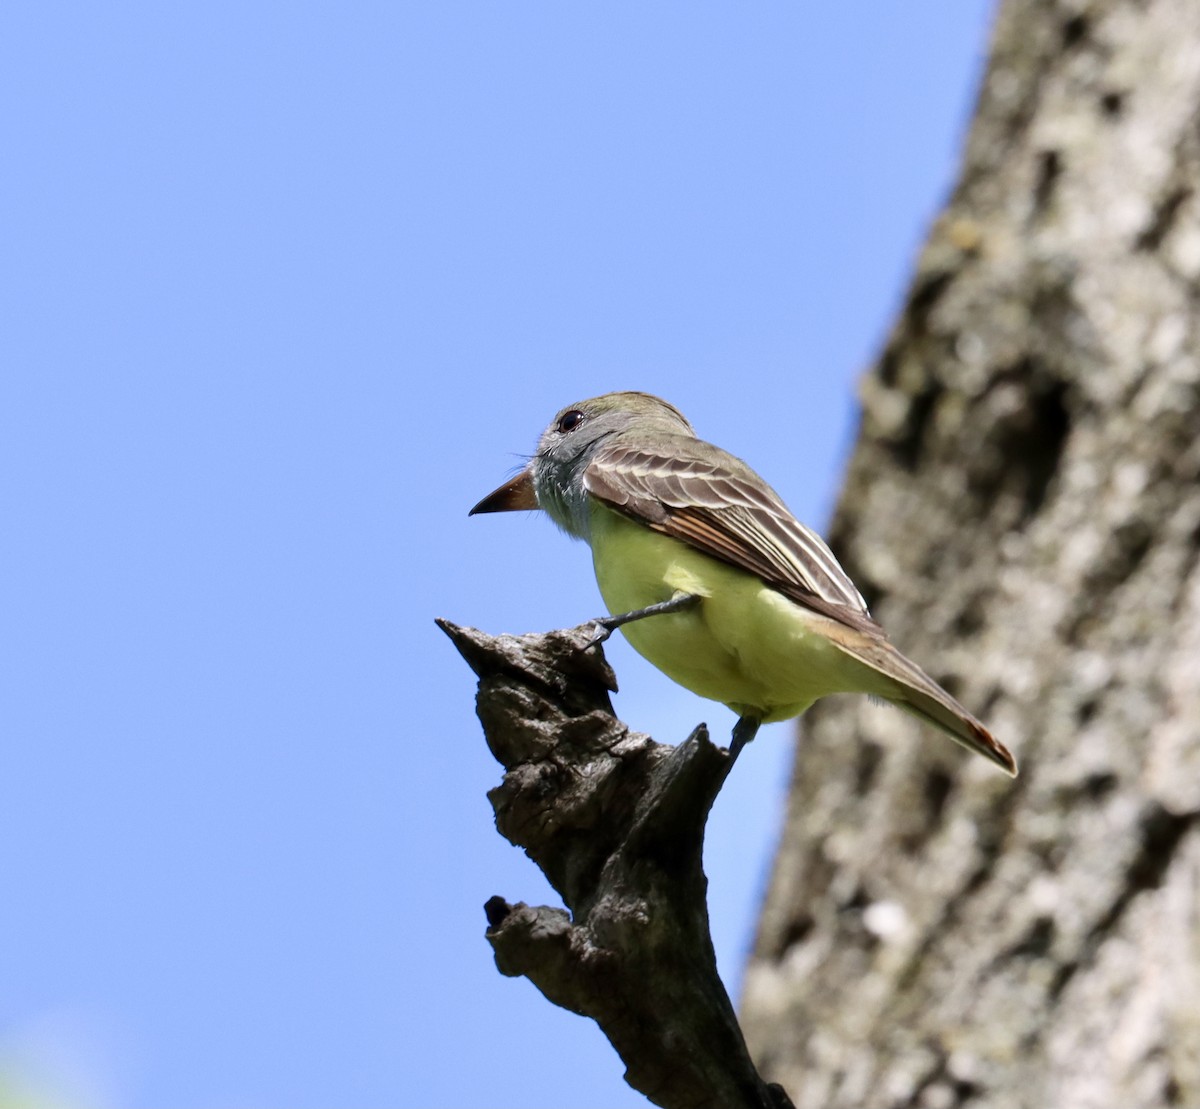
[569, 421]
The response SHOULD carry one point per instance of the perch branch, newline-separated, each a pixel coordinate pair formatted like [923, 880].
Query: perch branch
[616, 823]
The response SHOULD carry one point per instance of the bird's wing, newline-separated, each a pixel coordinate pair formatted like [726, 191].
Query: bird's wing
[709, 499]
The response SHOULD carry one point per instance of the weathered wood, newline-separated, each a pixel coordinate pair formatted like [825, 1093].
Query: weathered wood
[616, 823]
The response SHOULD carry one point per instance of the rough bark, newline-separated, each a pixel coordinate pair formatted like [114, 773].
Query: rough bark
[616, 823]
[1022, 509]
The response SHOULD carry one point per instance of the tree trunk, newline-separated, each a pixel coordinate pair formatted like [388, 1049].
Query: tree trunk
[1022, 510]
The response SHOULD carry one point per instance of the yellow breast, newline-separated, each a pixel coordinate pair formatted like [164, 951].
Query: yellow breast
[745, 645]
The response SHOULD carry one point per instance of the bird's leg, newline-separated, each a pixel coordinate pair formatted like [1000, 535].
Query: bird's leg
[743, 732]
[606, 625]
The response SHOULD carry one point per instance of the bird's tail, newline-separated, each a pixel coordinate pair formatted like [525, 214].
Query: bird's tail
[910, 688]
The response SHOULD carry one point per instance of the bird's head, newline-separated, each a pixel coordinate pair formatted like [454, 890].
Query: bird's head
[553, 479]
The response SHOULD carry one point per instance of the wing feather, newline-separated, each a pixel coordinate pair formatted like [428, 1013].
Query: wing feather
[711, 500]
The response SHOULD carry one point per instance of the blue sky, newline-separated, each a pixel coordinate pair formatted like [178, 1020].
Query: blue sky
[287, 288]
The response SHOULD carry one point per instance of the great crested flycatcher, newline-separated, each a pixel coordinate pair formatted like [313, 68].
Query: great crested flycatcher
[710, 576]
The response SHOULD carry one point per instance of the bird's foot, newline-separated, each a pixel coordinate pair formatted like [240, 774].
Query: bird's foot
[606, 625]
[602, 632]
[743, 732]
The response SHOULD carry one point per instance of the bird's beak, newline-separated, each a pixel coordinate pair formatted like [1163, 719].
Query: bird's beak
[511, 496]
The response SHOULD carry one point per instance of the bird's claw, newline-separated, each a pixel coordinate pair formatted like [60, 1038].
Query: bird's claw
[602, 632]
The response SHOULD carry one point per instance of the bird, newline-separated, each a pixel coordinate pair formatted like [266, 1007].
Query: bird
[710, 576]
